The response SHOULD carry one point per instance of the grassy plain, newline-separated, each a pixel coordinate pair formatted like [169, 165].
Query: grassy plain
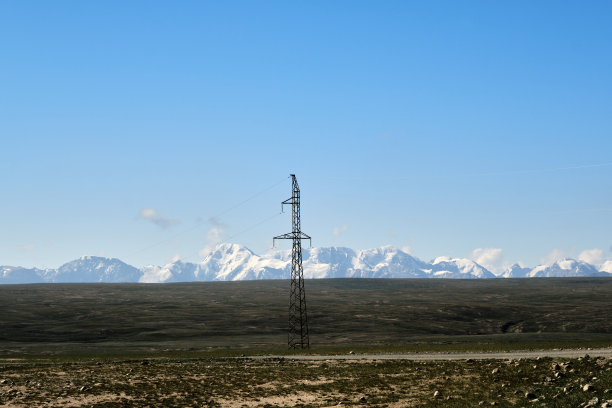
[344, 314]
[133, 345]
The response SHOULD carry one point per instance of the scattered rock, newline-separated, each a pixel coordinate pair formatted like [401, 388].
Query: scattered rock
[481, 403]
[144, 362]
[3, 381]
[436, 394]
[530, 395]
[363, 399]
[351, 352]
[592, 402]
[495, 371]
[556, 367]
[587, 387]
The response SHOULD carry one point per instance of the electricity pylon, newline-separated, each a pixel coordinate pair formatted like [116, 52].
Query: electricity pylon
[298, 319]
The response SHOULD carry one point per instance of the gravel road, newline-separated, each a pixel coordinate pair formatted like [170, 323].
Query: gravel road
[503, 355]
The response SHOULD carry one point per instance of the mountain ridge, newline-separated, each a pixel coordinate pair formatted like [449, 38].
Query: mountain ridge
[228, 262]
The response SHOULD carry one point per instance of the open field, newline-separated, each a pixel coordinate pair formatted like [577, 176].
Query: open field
[364, 315]
[235, 382]
[113, 345]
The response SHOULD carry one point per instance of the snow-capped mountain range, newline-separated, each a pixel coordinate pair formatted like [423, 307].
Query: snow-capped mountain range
[229, 262]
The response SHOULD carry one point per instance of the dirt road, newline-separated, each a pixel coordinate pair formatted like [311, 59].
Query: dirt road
[504, 355]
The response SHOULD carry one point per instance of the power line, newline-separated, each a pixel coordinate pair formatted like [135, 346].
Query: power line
[458, 174]
[549, 170]
[238, 233]
[199, 223]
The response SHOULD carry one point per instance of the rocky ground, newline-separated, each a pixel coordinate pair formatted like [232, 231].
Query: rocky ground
[239, 382]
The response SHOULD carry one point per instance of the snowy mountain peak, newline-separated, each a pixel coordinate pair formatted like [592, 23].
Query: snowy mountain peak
[387, 262]
[458, 268]
[229, 250]
[329, 254]
[440, 259]
[93, 269]
[564, 268]
[516, 271]
[236, 262]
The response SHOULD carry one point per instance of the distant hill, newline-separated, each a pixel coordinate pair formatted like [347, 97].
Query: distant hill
[230, 262]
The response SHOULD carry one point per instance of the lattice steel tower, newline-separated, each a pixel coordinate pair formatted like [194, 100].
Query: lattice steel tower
[298, 320]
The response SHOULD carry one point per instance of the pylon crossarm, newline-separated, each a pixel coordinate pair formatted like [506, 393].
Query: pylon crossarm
[293, 235]
[284, 236]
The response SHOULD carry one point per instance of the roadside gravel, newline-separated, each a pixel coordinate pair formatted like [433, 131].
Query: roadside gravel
[504, 355]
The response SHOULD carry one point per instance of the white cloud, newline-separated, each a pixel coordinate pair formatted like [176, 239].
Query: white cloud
[337, 231]
[215, 235]
[175, 258]
[407, 249]
[553, 256]
[593, 256]
[156, 218]
[216, 232]
[490, 258]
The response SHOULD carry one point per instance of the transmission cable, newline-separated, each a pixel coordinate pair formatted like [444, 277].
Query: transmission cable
[223, 241]
[199, 223]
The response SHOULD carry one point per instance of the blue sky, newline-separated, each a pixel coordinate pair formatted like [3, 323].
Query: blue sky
[134, 129]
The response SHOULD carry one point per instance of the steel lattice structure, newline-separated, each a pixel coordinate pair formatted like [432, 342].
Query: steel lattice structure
[298, 319]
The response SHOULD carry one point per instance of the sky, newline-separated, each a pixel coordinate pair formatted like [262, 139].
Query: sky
[150, 131]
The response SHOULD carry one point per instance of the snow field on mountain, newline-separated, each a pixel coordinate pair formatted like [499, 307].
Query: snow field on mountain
[230, 262]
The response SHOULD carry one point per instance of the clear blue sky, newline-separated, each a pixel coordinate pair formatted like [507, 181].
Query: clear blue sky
[444, 126]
